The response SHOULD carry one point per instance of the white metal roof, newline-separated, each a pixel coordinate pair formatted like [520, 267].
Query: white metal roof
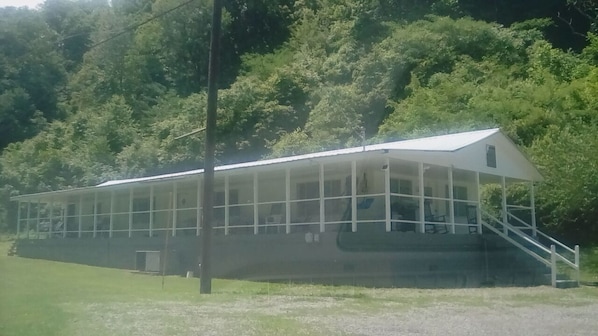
[441, 143]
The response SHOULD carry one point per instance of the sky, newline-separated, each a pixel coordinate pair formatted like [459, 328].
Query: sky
[20, 3]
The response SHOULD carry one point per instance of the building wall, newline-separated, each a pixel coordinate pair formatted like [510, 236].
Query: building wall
[383, 260]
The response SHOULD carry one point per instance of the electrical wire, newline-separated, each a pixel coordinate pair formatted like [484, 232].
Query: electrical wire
[135, 26]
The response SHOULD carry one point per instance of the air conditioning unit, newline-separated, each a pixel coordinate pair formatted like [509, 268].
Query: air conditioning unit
[147, 261]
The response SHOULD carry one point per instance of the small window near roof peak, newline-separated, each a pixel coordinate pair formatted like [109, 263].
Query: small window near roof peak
[491, 156]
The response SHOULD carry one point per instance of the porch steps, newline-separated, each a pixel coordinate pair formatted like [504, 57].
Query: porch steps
[13, 249]
[563, 284]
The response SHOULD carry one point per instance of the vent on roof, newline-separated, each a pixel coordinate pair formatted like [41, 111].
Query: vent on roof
[491, 156]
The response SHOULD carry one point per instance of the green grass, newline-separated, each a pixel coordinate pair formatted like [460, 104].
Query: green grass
[589, 264]
[40, 297]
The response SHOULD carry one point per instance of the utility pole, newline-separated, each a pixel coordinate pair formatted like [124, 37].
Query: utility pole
[205, 286]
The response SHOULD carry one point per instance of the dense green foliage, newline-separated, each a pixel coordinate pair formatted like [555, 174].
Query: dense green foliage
[78, 106]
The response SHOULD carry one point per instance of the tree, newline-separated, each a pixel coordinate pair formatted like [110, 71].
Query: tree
[31, 77]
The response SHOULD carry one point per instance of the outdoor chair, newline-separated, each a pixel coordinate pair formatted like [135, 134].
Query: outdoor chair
[275, 217]
[472, 218]
[430, 218]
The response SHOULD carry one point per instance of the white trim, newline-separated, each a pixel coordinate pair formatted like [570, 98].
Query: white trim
[322, 204]
[79, 216]
[505, 215]
[174, 208]
[130, 211]
[256, 208]
[226, 205]
[422, 213]
[111, 228]
[451, 199]
[353, 196]
[287, 192]
[151, 211]
[387, 205]
[198, 219]
[95, 214]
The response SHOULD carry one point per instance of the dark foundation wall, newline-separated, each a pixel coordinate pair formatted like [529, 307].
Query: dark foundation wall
[392, 259]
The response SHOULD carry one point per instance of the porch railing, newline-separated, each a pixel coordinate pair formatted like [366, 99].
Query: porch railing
[546, 254]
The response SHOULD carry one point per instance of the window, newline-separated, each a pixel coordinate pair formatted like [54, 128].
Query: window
[308, 190]
[401, 186]
[491, 156]
[141, 204]
[332, 188]
[459, 194]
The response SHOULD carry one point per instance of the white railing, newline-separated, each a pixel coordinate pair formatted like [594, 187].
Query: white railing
[546, 255]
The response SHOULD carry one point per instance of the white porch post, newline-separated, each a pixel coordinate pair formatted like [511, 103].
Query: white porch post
[256, 208]
[111, 227]
[151, 210]
[387, 205]
[80, 215]
[38, 217]
[19, 219]
[451, 199]
[479, 200]
[226, 203]
[422, 213]
[198, 205]
[354, 196]
[28, 217]
[95, 214]
[131, 212]
[505, 216]
[64, 208]
[287, 191]
[533, 206]
[174, 207]
[322, 202]
[51, 228]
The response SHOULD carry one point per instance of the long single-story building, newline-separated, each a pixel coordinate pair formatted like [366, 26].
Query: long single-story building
[405, 213]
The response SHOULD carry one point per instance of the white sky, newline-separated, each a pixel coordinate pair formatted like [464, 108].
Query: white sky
[20, 3]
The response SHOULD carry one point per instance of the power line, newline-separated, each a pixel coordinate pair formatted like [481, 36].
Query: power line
[135, 26]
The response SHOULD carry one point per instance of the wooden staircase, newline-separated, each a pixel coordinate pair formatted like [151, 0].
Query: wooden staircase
[556, 256]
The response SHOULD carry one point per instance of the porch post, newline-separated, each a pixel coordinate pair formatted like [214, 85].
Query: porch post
[451, 199]
[131, 211]
[256, 208]
[19, 218]
[80, 215]
[354, 196]
[51, 228]
[533, 206]
[198, 205]
[174, 207]
[28, 217]
[38, 216]
[388, 213]
[322, 202]
[64, 208]
[422, 214]
[479, 199]
[505, 216]
[287, 191]
[151, 210]
[226, 202]
[95, 213]
[111, 227]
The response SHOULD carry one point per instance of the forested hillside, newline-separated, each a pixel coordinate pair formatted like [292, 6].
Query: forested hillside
[91, 91]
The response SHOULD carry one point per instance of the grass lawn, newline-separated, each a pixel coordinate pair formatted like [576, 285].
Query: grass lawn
[50, 298]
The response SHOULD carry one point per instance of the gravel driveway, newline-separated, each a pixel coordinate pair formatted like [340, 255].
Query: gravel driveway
[535, 311]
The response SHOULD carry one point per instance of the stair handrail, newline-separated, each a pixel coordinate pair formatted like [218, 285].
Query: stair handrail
[552, 254]
[542, 234]
[517, 244]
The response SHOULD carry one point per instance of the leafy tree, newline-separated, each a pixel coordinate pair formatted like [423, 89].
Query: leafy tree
[31, 76]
